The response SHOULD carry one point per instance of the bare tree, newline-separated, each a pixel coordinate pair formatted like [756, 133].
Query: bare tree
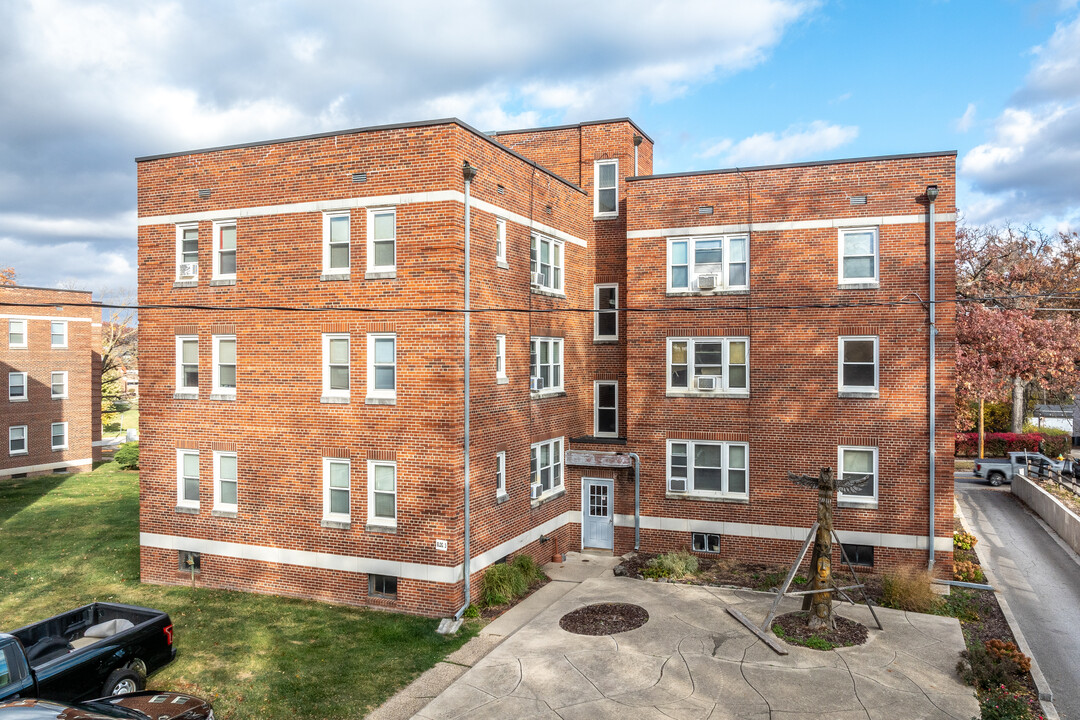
[7, 276]
[119, 344]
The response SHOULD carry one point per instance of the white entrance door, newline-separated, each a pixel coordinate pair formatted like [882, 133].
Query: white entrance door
[597, 514]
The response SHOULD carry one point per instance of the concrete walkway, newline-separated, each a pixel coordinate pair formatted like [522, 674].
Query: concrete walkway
[693, 660]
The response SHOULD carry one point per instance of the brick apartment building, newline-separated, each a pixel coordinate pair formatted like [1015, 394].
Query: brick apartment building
[303, 383]
[50, 358]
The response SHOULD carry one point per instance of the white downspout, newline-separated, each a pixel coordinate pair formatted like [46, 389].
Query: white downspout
[469, 172]
[931, 196]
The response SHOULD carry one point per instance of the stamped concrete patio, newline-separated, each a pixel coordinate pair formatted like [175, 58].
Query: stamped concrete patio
[693, 660]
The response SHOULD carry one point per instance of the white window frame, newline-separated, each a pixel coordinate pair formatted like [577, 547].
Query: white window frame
[64, 331]
[500, 474]
[52, 436]
[182, 501]
[597, 188]
[371, 213]
[218, 503]
[725, 460]
[382, 393]
[328, 218]
[691, 384]
[25, 440]
[691, 267]
[556, 247]
[534, 352]
[328, 514]
[557, 459]
[12, 324]
[857, 499]
[218, 389]
[500, 240]
[327, 391]
[840, 342]
[500, 357]
[605, 311]
[840, 255]
[180, 387]
[180, 228]
[52, 384]
[372, 518]
[25, 387]
[596, 408]
[216, 273]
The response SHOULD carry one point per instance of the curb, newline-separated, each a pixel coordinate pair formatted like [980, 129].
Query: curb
[1046, 695]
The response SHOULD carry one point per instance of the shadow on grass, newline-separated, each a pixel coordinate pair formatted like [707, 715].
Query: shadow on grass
[17, 495]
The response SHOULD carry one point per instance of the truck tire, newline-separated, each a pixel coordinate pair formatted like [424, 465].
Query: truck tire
[995, 478]
[123, 681]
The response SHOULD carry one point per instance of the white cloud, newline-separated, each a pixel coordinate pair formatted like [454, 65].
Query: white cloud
[795, 143]
[965, 121]
[121, 225]
[77, 264]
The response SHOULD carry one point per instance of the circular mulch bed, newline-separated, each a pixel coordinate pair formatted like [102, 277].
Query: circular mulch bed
[794, 630]
[604, 619]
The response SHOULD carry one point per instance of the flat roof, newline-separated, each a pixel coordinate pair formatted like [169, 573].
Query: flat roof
[752, 168]
[33, 287]
[637, 127]
[357, 131]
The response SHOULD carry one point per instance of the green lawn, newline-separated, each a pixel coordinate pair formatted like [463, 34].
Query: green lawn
[129, 419]
[69, 540]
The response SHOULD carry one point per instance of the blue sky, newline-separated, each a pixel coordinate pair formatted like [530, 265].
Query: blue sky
[87, 86]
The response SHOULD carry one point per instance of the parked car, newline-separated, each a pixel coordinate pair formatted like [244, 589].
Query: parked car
[133, 706]
[999, 470]
[93, 651]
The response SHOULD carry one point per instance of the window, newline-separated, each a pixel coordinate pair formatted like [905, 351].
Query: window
[547, 263]
[16, 333]
[335, 351]
[225, 481]
[545, 362]
[16, 386]
[58, 334]
[606, 317]
[189, 562]
[859, 255]
[17, 440]
[382, 237]
[383, 586]
[336, 238]
[705, 542]
[859, 554]
[708, 263]
[187, 478]
[500, 357]
[605, 408]
[546, 464]
[382, 366]
[500, 240]
[187, 363]
[857, 462]
[708, 365]
[605, 184]
[187, 252]
[858, 364]
[225, 250]
[382, 493]
[337, 492]
[710, 469]
[500, 474]
[225, 364]
[59, 385]
[59, 436]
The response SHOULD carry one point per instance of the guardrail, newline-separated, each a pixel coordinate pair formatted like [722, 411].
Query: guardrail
[1038, 468]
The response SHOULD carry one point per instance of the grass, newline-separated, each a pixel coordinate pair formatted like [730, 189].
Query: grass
[814, 641]
[129, 419]
[71, 540]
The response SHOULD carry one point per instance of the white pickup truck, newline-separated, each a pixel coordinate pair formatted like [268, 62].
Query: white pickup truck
[999, 470]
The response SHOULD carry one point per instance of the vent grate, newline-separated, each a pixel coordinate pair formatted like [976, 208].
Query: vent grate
[500, 189]
[359, 177]
[204, 193]
[858, 199]
[705, 210]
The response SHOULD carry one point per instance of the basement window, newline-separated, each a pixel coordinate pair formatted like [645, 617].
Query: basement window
[862, 555]
[384, 586]
[706, 542]
[188, 561]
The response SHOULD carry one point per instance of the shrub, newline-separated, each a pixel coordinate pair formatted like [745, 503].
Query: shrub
[968, 572]
[908, 589]
[984, 671]
[501, 584]
[529, 569]
[999, 444]
[1004, 649]
[672, 565]
[964, 540]
[127, 457]
[1001, 704]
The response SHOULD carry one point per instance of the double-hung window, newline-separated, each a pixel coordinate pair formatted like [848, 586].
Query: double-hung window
[382, 493]
[225, 481]
[187, 364]
[337, 492]
[58, 331]
[545, 363]
[605, 188]
[546, 464]
[16, 333]
[705, 264]
[858, 364]
[382, 240]
[500, 474]
[187, 252]
[708, 365]
[606, 317]
[858, 249]
[225, 250]
[59, 381]
[500, 241]
[382, 365]
[335, 352]
[336, 236]
[187, 478]
[606, 408]
[859, 462]
[500, 357]
[17, 387]
[547, 263]
[59, 436]
[224, 365]
[710, 469]
[17, 440]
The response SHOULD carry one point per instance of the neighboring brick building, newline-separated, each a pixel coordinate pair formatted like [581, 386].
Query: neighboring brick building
[50, 362]
[303, 386]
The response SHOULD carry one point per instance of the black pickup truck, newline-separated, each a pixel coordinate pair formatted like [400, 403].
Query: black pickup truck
[98, 649]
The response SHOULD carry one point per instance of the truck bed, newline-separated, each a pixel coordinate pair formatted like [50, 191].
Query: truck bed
[63, 634]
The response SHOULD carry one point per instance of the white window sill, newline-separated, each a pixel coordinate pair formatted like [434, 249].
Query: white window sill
[377, 274]
[18, 399]
[547, 293]
[17, 347]
[222, 282]
[736, 499]
[548, 497]
[546, 394]
[864, 394]
[223, 396]
[707, 394]
[860, 285]
[607, 340]
[334, 400]
[381, 527]
[502, 264]
[334, 277]
[60, 449]
[707, 293]
[606, 216]
[500, 498]
[380, 400]
[187, 509]
[224, 512]
[857, 504]
[186, 395]
[503, 380]
[185, 283]
[18, 452]
[336, 523]
[59, 397]
[58, 347]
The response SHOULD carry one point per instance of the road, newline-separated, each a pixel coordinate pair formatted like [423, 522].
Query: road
[1039, 578]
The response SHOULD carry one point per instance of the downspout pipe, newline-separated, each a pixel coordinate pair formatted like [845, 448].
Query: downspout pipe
[931, 196]
[637, 142]
[637, 500]
[468, 172]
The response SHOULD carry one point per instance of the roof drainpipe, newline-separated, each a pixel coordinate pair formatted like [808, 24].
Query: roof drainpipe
[637, 499]
[931, 196]
[637, 142]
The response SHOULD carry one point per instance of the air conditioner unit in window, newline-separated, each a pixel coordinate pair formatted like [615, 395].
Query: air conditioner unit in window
[706, 282]
[677, 484]
[536, 278]
[536, 384]
[705, 382]
[537, 490]
[189, 270]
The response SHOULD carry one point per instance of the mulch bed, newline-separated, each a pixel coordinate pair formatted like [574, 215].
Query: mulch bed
[493, 611]
[604, 619]
[846, 634]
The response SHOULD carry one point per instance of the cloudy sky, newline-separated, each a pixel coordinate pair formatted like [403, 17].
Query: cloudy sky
[85, 87]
